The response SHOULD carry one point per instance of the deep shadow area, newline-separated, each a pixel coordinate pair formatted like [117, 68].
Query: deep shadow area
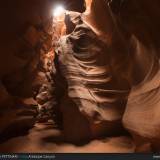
[44, 139]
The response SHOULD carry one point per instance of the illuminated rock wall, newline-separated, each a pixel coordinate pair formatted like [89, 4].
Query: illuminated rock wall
[27, 52]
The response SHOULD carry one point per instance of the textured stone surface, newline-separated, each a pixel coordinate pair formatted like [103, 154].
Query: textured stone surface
[26, 56]
[141, 117]
[94, 95]
[17, 120]
[26, 30]
[43, 138]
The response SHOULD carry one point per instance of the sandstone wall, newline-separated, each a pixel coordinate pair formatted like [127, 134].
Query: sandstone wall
[26, 54]
[26, 57]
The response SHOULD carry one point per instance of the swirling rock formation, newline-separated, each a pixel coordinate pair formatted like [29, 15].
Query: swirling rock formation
[94, 98]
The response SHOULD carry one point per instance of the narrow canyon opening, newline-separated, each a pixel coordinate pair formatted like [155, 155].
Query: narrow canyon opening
[87, 82]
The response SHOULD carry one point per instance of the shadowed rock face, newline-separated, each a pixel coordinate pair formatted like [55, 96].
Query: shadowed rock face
[139, 18]
[26, 55]
[134, 15]
[78, 5]
[97, 94]
[26, 40]
[43, 138]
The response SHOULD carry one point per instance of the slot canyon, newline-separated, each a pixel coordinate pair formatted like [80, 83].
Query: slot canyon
[87, 83]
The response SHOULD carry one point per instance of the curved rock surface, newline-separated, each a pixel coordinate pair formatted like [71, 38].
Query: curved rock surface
[43, 138]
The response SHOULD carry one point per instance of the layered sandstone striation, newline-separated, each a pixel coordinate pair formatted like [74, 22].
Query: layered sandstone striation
[27, 43]
[25, 63]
